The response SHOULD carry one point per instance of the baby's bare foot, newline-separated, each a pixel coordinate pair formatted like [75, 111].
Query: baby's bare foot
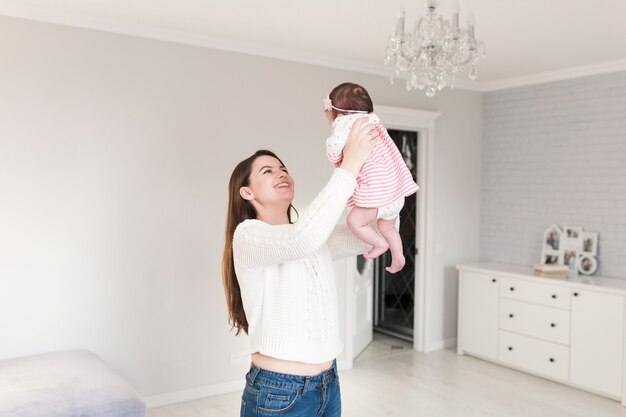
[376, 251]
[397, 263]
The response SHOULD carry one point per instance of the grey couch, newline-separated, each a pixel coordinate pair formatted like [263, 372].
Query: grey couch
[73, 383]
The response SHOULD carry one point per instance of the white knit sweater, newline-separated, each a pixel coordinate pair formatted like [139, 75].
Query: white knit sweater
[287, 278]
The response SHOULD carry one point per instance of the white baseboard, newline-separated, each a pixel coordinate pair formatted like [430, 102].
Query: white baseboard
[194, 393]
[442, 344]
[210, 390]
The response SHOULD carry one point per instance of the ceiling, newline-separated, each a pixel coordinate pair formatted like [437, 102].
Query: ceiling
[527, 41]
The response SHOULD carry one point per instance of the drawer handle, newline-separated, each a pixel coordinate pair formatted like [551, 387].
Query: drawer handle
[575, 294]
[511, 315]
[552, 359]
[552, 324]
[510, 347]
[553, 295]
[512, 288]
[493, 280]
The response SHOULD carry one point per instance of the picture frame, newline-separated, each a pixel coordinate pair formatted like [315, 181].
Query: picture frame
[570, 246]
[587, 264]
[590, 243]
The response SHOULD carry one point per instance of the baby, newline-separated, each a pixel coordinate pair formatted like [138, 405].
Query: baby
[384, 180]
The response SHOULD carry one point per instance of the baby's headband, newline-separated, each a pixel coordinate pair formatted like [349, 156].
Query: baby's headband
[328, 105]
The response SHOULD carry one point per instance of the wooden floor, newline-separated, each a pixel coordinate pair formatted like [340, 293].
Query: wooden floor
[390, 379]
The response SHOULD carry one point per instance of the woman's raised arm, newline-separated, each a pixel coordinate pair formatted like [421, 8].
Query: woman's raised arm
[257, 244]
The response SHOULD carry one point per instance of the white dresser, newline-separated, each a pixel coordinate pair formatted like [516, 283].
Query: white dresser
[567, 330]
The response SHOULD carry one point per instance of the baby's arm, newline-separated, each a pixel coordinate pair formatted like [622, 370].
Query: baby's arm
[334, 149]
[337, 140]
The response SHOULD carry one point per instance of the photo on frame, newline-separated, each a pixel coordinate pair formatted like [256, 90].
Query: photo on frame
[572, 237]
[590, 243]
[551, 259]
[552, 246]
[552, 239]
[570, 258]
[587, 264]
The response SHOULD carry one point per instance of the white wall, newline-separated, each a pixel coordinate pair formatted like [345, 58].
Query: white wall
[115, 154]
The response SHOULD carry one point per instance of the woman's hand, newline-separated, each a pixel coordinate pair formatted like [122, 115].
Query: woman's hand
[361, 140]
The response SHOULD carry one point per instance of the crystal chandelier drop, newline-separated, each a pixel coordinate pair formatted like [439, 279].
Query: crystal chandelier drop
[435, 52]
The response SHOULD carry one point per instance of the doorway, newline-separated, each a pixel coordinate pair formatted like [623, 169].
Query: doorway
[394, 294]
[360, 283]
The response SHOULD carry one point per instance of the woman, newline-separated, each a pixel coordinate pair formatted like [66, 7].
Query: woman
[279, 280]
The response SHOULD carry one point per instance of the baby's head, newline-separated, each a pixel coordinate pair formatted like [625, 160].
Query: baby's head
[347, 98]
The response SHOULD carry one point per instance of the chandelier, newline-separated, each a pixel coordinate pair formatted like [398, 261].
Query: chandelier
[435, 52]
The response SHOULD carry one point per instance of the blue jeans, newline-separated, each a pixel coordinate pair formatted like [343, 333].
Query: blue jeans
[270, 393]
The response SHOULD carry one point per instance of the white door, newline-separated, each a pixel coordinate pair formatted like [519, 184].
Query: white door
[478, 314]
[363, 303]
[597, 341]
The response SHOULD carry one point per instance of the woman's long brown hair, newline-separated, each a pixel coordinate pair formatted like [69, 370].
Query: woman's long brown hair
[238, 211]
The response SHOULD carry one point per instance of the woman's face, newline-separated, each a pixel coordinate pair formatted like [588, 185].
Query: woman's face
[270, 183]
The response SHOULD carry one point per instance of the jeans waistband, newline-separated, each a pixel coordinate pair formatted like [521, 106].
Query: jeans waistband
[281, 380]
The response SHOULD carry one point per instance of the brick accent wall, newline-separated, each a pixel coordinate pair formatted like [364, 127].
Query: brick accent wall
[555, 153]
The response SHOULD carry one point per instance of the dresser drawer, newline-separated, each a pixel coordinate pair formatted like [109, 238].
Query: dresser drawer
[534, 355]
[544, 294]
[546, 323]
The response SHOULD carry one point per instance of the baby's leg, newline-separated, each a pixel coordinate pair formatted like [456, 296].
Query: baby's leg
[392, 236]
[358, 220]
